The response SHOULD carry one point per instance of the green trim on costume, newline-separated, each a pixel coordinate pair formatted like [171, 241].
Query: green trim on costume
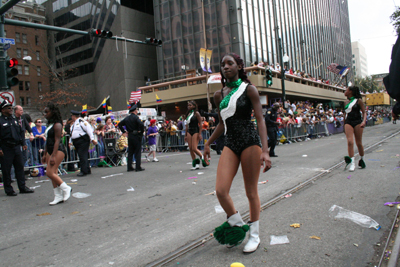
[235, 86]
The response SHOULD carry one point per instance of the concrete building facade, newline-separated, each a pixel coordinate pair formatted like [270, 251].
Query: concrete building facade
[359, 60]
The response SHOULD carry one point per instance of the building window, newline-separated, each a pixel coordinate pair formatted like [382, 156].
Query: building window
[27, 86]
[39, 86]
[28, 101]
[37, 55]
[19, 69]
[22, 101]
[17, 38]
[36, 40]
[21, 85]
[38, 71]
[25, 52]
[26, 70]
[24, 39]
[18, 52]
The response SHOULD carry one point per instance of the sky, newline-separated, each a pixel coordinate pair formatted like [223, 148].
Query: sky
[370, 25]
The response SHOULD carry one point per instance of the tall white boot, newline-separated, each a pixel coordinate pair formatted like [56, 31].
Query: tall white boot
[66, 190]
[352, 165]
[58, 196]
[254, 240]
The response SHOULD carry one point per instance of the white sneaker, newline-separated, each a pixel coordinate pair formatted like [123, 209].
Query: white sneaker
[155, 160]
[352, 165]
[147, 158]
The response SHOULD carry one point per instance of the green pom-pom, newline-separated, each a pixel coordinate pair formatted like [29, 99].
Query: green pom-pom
[347, 159]
[197, 161]
[219, 233]
[204, 163]
[361, 163]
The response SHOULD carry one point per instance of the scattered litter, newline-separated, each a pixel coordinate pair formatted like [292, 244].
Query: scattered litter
[387, 254]
[194, 177]
[111, 263]
[72, 183]
[74, 180]
[193, 182]
[391, 203]
[212, 193]
[199, 173]
[382, 165]
[43, 214]
[219, 209]
[327, 254]
[263, 182]
[396, 168]
[325, 171]
[379, 150]
[348, 177]
[33, 187]
[288, 195]
[130, 189]
[81, 195]
[397, 155]
[237, 264]
[277, 240]
[338, 212]
[304, 156]
[356, 245]
[295, 225]
[374, 159]
[189, 163]
[108, 176]
[315, 237]
[265, 249]
[180, 171]
[75, 212]
[41, 181]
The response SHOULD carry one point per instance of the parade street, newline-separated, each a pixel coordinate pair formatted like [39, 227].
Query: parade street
[136, 218]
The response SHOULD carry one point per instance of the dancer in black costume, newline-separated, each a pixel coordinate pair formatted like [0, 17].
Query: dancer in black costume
[54, 153]
[235, 102]
[354, 126]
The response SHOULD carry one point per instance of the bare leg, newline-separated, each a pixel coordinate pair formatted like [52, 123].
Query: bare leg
[52, 170]
[250, 162]
[193, 142]
[227, 168]
[154, 154]
[358, 131]
[350, 139]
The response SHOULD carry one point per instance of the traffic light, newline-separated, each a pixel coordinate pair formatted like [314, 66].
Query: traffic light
[12, 71]
[153, 41]
[101, 34]
[268, 77]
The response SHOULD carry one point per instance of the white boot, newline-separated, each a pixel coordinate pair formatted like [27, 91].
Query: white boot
[58, 196]
[235, 220]
[254, 240]
[66, 190]
[352, 165]
[195, 164]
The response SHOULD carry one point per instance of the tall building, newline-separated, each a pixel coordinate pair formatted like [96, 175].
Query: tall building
[314, 33]
[360, 63]
[32, 74]
[103, 66]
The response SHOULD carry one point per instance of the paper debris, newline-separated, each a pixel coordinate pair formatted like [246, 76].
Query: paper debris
[277, 240]
[219, 209]
[81, 195]
[355, 244]
[315, 237]
[33, 187]
[75, 212]
[295, 225]
[108, 176]
[194, 177]
[43, 214]
[212, 193]
[348, 177]
[74, 180]
[193, 182]
[288, 195]
[130, 189]
[304, 156]
[199, 173]
[263, 182]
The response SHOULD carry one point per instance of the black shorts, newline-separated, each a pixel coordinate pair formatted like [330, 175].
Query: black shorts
[61, 148]
[193, 131]
[353, 123]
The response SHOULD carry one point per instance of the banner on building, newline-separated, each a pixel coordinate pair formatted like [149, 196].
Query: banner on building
[209, 54]
[203, 59]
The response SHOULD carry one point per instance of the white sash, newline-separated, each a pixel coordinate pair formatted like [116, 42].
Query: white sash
[352, 103]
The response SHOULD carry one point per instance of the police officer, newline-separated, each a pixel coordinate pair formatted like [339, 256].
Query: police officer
[12, 140]
[272, 128]
[81, 136]
[134, 131]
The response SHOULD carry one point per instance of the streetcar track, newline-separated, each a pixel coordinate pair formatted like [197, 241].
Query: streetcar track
[207, 237]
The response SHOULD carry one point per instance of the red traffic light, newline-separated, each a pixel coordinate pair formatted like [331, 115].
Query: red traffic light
[12, 62]
[97, 32]
[153, 41]
[100, 33]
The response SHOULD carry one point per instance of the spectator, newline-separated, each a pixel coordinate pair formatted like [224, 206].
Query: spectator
[38, 144]
[152, 133]
[109, 128]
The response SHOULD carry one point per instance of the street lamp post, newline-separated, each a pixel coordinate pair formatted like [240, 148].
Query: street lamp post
[284, 60]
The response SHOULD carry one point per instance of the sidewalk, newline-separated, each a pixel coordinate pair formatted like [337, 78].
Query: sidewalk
[343, 243]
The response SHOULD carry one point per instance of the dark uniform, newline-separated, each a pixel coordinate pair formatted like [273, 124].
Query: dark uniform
[272, 130]
[12, 138]
[135, 129]
[219, 142]
[81, 136]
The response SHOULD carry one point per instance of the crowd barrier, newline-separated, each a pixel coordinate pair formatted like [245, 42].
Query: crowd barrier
[106, 152]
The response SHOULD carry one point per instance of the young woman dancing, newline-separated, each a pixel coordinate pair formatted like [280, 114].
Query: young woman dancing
[193, 134]
[235, 102]
[354, 125]
[54, 153]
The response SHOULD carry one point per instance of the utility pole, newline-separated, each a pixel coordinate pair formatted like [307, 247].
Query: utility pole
[205, 44]
[280, 53]
[3, 54]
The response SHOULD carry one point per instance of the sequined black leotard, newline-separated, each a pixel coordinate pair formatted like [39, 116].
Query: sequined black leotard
[50, 141]
[354, 116]
[193, 125]
[240, 130]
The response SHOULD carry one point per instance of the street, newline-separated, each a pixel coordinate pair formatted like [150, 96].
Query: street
[133, 219]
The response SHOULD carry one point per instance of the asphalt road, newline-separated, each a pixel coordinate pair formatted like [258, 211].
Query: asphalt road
[166, 210]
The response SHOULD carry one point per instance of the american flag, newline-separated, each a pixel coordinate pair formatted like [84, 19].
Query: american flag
[135, 96]
[335, 68]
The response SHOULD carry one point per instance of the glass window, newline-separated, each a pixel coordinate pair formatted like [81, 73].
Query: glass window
[26, 68]
[37, 55]
[19, 69]
[27, 86]
[25, 52]
[36, 40]
[28, 100]
[39, 86]
[197, 20]
[185, 5]
[38, 71]
[165, 25]
[187, 24]
[176, 27]
[223, 13]
[224, 35]
[21, 85]
[188, 45]
[167, 48]
[18, 52]
[22, 101]
[17, 37]
[24, 39]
